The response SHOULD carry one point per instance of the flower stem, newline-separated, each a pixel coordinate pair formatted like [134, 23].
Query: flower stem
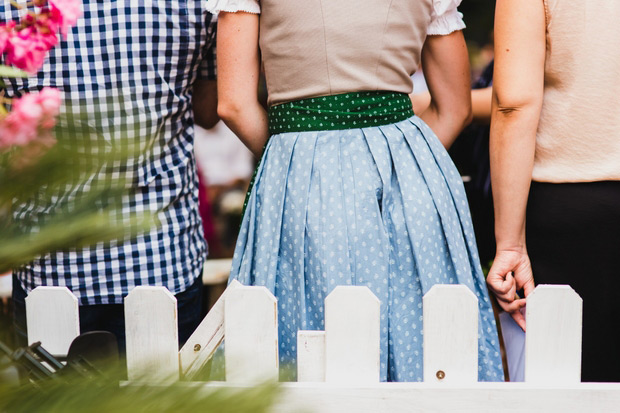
[15, 4]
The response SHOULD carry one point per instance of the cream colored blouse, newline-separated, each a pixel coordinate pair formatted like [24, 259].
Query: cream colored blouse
[325, 47]
[445, 17]
[578, 138]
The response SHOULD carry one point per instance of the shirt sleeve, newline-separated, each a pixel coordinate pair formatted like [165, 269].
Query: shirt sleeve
[249, 6]
[208, 68]
[445, 18]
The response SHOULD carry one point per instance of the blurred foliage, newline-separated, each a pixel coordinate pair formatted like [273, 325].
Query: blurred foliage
[104, 396]
[64, 195]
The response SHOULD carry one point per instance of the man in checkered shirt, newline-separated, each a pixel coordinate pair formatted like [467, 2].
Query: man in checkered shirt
[144, 66]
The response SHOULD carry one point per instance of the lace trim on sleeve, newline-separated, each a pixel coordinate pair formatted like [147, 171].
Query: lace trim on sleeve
[231, 6]
[447, 23]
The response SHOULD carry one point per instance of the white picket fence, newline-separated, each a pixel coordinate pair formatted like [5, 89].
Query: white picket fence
[338, 369]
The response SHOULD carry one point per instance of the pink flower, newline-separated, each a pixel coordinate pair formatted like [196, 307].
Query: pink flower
[66, 13]
[49, 99]
[6, 32]
[27, 50]
[32, 117]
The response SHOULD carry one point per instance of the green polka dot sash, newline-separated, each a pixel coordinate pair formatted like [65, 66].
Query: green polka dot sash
[337, 112]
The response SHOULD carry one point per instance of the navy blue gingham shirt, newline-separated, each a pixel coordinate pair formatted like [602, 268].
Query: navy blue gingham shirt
[128, 67]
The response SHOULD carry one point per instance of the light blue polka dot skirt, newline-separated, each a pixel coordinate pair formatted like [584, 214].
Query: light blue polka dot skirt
[382, 207]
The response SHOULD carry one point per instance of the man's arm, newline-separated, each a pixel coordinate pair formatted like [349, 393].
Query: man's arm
[204, 102]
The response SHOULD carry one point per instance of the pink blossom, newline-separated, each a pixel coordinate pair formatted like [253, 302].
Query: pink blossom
[49, 99]
[6, 32]
[66, 13]
[26, 51]
[32, 117]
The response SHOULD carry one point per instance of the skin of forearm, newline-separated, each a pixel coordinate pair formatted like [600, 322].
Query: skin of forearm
[248, 122]
[447, 122]
[512, 146]
[238, 78]
[481, 103]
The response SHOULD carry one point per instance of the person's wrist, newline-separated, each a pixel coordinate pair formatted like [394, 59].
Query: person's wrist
[510, 242]
[507, 246]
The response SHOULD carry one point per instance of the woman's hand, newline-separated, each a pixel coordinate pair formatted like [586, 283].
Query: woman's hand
[511, 271]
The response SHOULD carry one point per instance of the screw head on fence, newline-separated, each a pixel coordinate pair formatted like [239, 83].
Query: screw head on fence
[440, 374]
[197, 347]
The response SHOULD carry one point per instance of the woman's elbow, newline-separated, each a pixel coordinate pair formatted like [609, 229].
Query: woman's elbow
[462, 115]
[467, 115]
[228, 110]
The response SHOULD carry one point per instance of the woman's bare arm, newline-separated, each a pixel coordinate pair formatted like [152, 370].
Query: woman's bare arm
[481, 102]
[238, 64]
[446, 68]
[517, 100]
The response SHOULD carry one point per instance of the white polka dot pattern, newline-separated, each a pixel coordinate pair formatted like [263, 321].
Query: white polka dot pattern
[382, 207]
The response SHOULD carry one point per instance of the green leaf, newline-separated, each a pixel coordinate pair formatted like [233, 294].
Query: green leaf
[6, 71]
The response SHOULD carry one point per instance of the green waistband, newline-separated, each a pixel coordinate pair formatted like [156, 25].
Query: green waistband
[337, 112]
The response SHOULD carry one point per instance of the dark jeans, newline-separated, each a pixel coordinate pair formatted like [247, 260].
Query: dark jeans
[573, 237]
[111, 317]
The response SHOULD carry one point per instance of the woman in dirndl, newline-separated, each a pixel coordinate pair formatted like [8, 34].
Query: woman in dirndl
[352, 188]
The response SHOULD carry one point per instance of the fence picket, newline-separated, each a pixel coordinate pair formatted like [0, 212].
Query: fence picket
[203, 342]
[352, 316]
[310, 356]
[251, 335]
[152, 335]
[553, 337]
[450, 335]
[53, 318]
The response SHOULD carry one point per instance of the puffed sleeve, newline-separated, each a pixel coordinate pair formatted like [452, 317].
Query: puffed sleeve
[445, 18]
[249, 6]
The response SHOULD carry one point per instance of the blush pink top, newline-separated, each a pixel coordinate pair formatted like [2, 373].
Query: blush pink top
[308, 50]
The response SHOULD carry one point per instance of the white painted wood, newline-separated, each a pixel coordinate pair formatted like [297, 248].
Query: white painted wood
[53, 318]
[202, 344]
[251, 335]
[152, 335]
[553, 336]
[310, 356]
[450, 335]
[352, 316]
[434, 397]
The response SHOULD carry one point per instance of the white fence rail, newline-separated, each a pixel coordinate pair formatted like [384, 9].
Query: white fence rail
[338, 369]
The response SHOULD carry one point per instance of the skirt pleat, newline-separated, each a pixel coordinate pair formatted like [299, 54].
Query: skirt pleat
[382, 207]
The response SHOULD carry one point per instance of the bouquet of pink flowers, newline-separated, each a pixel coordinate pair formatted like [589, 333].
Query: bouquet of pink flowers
[23, 48]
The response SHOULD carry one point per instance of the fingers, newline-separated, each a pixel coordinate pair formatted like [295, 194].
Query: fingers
[529, 286]
[502, 284]
[519, 318]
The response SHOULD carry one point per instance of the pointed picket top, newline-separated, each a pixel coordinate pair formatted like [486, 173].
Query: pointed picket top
[202, 344]
[151, 330]
[52, 317]
[352, 335]
[251, 335]
[310, 356]
[450, 335]
[553, 336]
